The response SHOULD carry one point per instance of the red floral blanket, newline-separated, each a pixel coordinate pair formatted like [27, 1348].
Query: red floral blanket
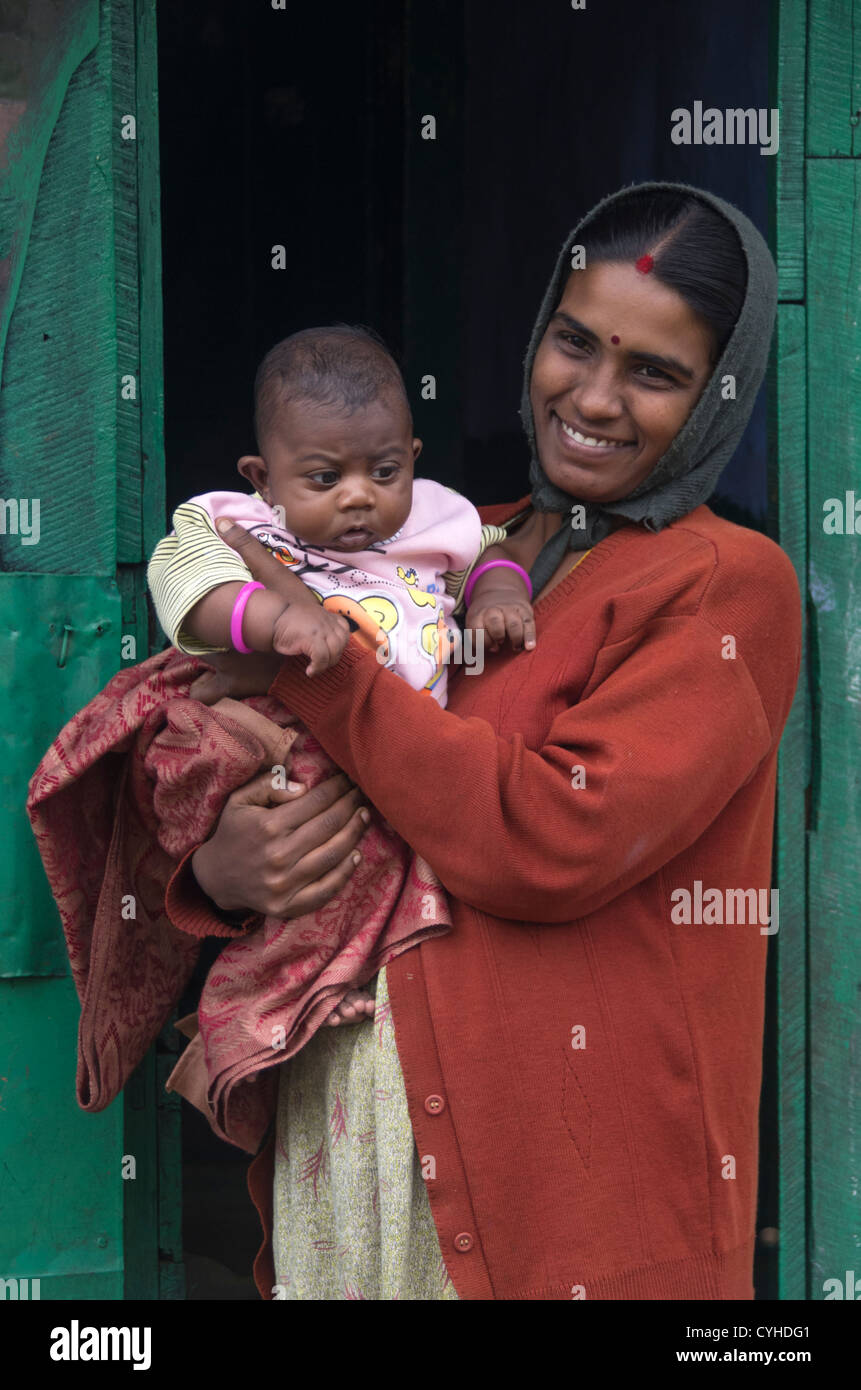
[133, 782]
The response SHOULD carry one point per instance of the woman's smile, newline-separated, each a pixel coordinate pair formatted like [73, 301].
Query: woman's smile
[588, 445]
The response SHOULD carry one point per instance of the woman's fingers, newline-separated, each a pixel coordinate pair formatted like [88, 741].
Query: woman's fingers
[260, 561]
[324, 813]
[337, 796]
[297, 857]
[310, 882]
[317, 894]
[250, 859]
[260, 791]
[334, 850]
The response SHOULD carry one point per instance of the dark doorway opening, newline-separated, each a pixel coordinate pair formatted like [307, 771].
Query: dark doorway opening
[302, 128]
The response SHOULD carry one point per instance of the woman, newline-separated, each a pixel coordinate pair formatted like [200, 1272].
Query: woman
[573, 1075]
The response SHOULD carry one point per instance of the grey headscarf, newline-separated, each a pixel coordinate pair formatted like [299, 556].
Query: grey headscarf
[686, 474]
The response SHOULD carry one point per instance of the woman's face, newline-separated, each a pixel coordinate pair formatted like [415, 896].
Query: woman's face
[622, 363]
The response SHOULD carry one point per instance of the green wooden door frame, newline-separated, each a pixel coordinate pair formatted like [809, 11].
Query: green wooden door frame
[153, 1261]
[788, 525]
[816, 456]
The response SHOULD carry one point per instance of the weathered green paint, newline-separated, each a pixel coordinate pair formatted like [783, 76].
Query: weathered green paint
[39, 57]
[788, 44]
[58, 409]
[149, 261]
[815, 435]
[45, 619]
[165, 1141]
[80, 210]
[788, 526]
[833, 78]
[60, 1180]
[834, 416]
[140, 1210]
[124, 179]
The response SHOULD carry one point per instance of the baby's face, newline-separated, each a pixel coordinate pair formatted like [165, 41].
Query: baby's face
[344, 481]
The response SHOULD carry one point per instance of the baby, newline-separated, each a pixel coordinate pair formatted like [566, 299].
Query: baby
[369, 548]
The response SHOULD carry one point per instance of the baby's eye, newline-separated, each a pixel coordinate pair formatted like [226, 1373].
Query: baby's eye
[326, 476]
[388, 469]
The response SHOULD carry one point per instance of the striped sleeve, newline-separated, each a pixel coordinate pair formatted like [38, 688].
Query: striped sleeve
[455, 580]
[185, 565]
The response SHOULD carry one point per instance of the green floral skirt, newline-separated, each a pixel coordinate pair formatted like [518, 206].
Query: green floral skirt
[351, 1213]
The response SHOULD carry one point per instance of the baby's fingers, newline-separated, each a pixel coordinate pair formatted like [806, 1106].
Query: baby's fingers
[319, 652]
[337, 638]
[493, 622]
[514, 628]
[521, 627]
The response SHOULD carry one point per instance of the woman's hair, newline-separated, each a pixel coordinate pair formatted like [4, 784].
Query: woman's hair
[695, 251]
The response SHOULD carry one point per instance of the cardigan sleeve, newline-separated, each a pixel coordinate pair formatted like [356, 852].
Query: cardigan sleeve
[660, 745]
[190, 910]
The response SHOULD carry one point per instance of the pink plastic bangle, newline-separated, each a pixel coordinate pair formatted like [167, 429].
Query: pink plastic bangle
[489, 565]
[238, 614]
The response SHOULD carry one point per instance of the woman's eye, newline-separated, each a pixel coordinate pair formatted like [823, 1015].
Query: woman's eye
[659, 375]
[574, 339]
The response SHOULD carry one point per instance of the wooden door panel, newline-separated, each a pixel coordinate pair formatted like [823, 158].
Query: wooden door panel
[80, 433]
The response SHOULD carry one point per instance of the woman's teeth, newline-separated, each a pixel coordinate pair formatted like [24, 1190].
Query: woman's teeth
[588, 439]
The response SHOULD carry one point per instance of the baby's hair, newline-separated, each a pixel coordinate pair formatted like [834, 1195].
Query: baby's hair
[342, 365]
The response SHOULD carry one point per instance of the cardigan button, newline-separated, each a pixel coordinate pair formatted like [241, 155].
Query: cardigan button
[434, 1105]
[463, 1241]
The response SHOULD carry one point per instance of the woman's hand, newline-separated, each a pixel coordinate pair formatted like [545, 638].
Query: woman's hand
[282, 852]
[260, 561]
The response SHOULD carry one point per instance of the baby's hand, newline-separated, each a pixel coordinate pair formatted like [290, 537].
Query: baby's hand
[321, 635]
[501, 614]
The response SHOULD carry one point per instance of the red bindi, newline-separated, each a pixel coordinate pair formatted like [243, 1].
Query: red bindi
[615, 338]
[645, 263]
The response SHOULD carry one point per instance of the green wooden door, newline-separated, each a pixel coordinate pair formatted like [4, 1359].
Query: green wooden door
[816, 442]
[82, 503]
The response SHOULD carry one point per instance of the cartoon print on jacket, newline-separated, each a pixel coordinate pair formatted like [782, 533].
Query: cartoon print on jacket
[375, 617]
[420, 597]
[432, 637]
[371, 618]
[276, 547]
